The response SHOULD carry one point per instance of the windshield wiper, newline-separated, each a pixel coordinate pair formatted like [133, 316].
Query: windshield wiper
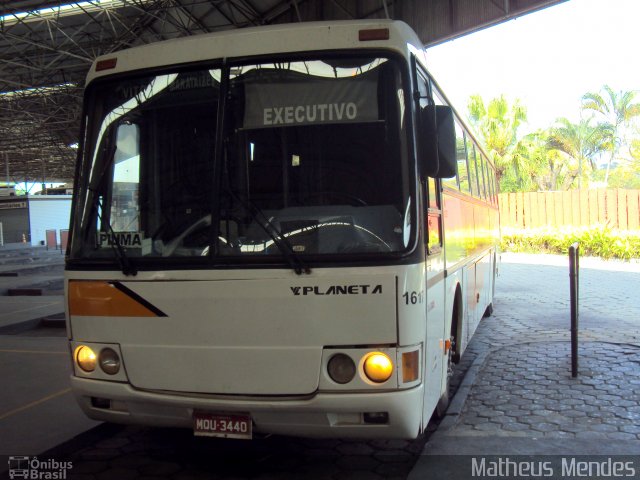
[126, 265]
[285, 247]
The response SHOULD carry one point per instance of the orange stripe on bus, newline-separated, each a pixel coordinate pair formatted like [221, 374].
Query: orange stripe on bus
[102, 299]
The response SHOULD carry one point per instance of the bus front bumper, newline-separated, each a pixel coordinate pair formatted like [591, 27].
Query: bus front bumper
[337, 415]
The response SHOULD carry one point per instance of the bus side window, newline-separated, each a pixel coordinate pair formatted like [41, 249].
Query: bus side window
[455, 182]
[496, 187]
[471, 163]
[488, 183]
[487, 180]
[423, 89]
[480, 162]
[434, 219]
[462, 174]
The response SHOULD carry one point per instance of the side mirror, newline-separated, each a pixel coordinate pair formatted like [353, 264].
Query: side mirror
[437, 142]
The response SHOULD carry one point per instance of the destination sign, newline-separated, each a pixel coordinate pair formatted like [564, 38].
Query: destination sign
[305, 100]
[321, 112]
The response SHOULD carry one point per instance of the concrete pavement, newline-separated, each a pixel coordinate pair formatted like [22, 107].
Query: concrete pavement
[37, 410]
[518, 396]
[24, 266]
[15, 310]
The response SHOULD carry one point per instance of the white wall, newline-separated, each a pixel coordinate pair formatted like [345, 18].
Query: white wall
[48, 212]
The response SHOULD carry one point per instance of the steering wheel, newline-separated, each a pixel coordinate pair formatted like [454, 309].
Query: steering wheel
[374, 244]
[200, 224]
[171, 246]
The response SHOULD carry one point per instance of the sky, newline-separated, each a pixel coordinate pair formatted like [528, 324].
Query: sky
[548, 59]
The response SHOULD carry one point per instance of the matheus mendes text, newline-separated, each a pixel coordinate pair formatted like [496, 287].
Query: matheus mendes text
[568, 467]
[338, 290]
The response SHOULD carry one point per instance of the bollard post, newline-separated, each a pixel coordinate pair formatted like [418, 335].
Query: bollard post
[574, 286]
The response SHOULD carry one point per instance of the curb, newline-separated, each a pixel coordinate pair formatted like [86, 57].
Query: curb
[462, 393]
[50, 321]
[57, 320]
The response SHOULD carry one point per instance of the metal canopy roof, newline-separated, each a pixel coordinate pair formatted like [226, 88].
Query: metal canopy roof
[46, 49]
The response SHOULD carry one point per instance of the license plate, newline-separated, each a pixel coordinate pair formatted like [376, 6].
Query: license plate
[225, 425]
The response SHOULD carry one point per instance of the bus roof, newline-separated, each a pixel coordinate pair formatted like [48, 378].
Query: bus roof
[244, 42]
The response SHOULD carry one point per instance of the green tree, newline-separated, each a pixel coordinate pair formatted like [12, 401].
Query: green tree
[528, 168]
[623, 177]
[579, 144]
[497, 123]
[634, 150]
[537, 165]
[614, 111]
[627, 173]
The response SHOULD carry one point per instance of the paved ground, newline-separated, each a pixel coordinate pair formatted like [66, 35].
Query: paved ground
[526, 389]
[516, 396]
[24, 266]
[37, 409]
[21, 309]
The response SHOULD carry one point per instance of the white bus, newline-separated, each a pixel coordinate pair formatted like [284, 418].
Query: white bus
[259, 242]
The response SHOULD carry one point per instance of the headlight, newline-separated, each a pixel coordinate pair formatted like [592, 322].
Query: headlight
[85, 358]
[378, 367]
[109, 361]
[341, 368]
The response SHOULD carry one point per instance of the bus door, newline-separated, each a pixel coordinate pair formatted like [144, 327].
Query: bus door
[435, 298]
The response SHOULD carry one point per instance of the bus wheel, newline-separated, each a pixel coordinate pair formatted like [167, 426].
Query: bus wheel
[452, 355]
[456, 328]
[489, 311]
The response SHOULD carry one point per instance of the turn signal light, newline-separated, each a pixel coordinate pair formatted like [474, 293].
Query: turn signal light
[410, 366]
[378, 367]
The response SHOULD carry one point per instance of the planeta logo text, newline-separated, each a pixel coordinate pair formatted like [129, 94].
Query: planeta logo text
[338, 290]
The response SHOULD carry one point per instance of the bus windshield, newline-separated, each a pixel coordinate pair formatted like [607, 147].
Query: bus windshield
[305, 155]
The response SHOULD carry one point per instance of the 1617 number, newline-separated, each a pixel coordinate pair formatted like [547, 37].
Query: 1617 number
[413, 298]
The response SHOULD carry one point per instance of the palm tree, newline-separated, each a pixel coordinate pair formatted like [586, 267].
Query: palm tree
[528, 158]
[614, 111]
[537, 165]
[497, 124]
[581, 142]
